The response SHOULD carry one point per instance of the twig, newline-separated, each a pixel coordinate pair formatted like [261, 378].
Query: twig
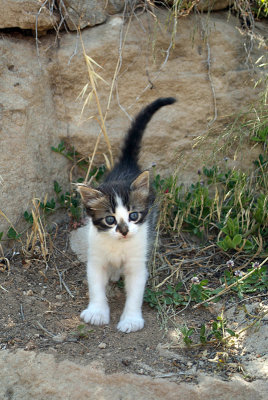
[63, 283]
[168, 277]
[253, 323]
[45, 330]
[5, 290]
[22, 313]
[68, 290]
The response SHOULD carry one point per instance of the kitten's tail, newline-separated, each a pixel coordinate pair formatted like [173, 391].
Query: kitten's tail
[132, 144]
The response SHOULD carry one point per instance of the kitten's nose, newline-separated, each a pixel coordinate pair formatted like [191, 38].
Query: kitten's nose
[122, 228]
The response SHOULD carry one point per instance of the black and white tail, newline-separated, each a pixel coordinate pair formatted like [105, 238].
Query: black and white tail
[132, 142]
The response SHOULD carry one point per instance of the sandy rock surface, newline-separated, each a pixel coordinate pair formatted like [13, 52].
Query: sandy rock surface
[28, 376]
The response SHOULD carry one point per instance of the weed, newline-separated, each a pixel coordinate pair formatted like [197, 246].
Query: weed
[71, 155]
[229, 207]
[186, 334]
[261, 135]
[13, 234]
[177, 296]
[169, 296]
[216, 331]
[256, 282]
[82, 332]
[36, 242]
[199, 291]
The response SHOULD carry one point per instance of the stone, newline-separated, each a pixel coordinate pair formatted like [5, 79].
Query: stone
[26, 14]
[102, 345]
[213, 5]
[28, 375]
[114, 6]
[83, 14]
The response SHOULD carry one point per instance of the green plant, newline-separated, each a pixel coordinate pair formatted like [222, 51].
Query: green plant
[13, 234]
[71, 155]
[230, 207]
[186, 334]
[199, 292]
[260, 8]
[70, 201]
[234, 238]
[256, 282]
[166, 297]
[82, 332]
[261, 135]
[216, 331]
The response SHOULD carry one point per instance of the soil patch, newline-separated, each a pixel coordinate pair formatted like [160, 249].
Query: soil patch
[40, 312]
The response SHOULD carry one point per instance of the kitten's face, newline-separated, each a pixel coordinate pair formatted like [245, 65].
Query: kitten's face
[117, 210]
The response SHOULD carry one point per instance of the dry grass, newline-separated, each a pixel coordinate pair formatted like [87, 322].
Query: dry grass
[38, 246]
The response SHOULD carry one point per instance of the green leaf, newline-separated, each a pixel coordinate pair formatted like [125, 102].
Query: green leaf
[237, 240]
[202, 330]
[57, 187]
[58, 149]
[203, 339]
[12, 234]
[28, 217]
[231, 333]
[1, 235]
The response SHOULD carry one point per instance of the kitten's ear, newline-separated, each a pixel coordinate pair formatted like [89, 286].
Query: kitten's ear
[141, 183]
[89, 195]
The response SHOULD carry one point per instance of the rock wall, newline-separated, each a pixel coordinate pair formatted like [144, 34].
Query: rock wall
[39, 103]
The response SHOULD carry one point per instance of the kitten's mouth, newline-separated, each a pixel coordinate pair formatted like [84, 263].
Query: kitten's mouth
[124, 237]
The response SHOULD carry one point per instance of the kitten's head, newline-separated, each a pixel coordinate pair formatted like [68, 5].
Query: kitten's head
[119, 209]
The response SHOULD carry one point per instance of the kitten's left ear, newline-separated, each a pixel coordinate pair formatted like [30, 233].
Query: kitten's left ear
[141, 183]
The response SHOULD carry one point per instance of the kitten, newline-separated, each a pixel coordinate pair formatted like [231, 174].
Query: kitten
[121, 229]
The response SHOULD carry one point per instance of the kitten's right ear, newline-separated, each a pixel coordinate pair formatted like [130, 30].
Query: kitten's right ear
[141, 184]
[89, 195]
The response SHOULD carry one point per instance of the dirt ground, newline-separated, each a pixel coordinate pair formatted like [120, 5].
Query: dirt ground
[40, 308]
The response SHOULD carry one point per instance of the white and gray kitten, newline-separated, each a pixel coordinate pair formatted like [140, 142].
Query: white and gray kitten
[121, 228]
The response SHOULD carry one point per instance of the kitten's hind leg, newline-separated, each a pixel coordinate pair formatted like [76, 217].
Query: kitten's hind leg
[135, 279]
[97, 312]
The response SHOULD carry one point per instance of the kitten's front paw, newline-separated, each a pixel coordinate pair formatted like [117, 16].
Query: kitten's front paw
[96, 315]
[130, 324]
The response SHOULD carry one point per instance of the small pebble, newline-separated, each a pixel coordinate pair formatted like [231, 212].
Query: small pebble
[58, 296]
[189, 364]
[126, 362]
[29, 292]
[61, 337]
[102, 345]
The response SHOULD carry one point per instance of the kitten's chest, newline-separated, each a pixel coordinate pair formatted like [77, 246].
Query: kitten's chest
[117, 253]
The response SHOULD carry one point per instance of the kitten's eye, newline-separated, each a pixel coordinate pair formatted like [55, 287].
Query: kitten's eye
[134, 216]
[110, 220]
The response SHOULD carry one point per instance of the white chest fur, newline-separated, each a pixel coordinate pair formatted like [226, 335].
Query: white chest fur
[116, 251]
